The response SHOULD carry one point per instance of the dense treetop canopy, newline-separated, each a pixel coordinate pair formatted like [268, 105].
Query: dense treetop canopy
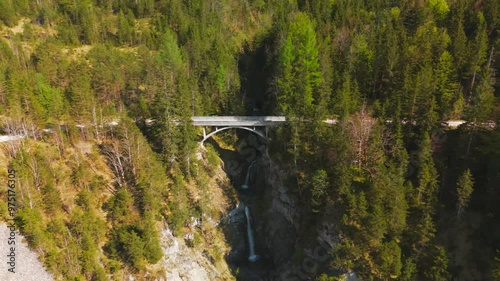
[395, 185]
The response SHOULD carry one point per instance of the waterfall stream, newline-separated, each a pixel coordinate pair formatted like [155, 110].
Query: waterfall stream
[245, 185]
[247, 258]
[252, 257]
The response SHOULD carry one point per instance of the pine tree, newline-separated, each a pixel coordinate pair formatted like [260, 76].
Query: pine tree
[446, 84]
[409, 270]
[152, 251]
[438, 270]
[389, 260]
[347, 100]
[460, 42]
[299, 67]
[483, 97]
[423, 104]
[50, 99]
[480, 46]
[7, 13]
[439, 7]
[298, 81]
[427, 177]
[170, 52]
[465, 185]
[187, 133]
[319, 188]
[124, 29]
[80, 93]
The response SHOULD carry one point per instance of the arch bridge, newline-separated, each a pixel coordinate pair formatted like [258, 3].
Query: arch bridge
[249, 123]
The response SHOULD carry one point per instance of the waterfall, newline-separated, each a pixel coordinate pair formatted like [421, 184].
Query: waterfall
[245, 185]
[252, 257]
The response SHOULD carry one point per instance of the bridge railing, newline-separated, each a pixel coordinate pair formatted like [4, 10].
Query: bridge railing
[238, 120]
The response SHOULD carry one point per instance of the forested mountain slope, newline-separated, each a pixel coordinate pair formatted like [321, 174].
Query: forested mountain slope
[407, 200]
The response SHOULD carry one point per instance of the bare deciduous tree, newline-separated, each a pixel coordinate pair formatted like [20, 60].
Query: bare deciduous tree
[112, 153]
[359, 126]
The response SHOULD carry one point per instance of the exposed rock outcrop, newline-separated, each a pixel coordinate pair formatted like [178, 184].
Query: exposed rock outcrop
[183, 263]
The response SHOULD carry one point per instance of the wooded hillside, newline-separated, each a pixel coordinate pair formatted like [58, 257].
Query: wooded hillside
[410, 200]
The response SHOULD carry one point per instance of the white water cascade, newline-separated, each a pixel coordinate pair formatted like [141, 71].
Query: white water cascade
[252, 257]
[245, 185]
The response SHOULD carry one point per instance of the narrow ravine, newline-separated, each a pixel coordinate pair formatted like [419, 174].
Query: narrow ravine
[249, 257]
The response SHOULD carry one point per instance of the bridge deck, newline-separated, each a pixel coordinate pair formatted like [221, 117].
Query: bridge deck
[238, 121]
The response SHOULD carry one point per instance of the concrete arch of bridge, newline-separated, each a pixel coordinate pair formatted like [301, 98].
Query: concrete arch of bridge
[207, 136]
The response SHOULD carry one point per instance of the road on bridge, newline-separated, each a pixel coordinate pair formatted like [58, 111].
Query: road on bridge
[244, 122]
[238, 121]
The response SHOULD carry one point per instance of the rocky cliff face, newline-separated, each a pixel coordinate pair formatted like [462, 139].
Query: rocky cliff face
[297, 252]
[278, 213]
[286, 252]
[183, 263]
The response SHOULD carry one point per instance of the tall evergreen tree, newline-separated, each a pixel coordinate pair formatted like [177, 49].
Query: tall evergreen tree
[299, 76]
[465, 185]
[446, 85]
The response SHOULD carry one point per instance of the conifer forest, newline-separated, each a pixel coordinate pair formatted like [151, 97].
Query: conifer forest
[375, 155]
